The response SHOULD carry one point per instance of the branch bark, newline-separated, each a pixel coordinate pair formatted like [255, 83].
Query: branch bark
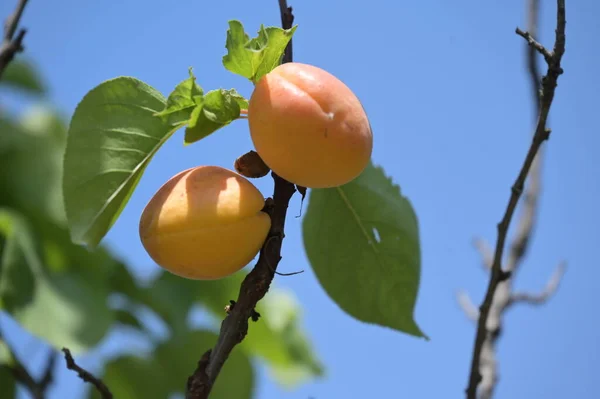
[497, 297]
[12, 44]
[256, 284]
[86, 376]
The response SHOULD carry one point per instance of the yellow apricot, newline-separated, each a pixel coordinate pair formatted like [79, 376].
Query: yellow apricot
[309, 127]
[205, 223]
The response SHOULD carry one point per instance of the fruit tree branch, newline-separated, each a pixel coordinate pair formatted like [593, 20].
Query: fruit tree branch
[12, 44]
[256, 284]
[86, 376]
[500, 277]
[36, 389]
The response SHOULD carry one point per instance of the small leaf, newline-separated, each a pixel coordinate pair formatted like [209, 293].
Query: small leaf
[112, 138]
[238, 98]
[186, 94]
[362, 240]
[220, 108]
[254, 58]
[22, 75]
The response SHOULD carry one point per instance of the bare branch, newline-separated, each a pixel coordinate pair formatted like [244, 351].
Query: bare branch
[36, 389]
[541, 134]
[256, 284]
[486, 252]
[86, 376]
[541, 297]
[11, 44]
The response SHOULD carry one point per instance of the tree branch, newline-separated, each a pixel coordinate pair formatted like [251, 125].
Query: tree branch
[37, 389]
[498, 275]
[256, 284]
[12, 44]
[86, 376]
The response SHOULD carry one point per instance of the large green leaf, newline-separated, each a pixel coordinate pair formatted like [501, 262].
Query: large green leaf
[254, 58]
[67, 311]
[63, 308]
[22, 75]
[112, 137]
[362, 240]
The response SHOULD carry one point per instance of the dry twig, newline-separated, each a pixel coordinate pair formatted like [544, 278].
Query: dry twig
[498, 295]
[12, 44]
[37, 389]
[256, 284]
[86, 376]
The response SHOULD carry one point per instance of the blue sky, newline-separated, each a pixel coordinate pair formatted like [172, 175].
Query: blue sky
[446, 91]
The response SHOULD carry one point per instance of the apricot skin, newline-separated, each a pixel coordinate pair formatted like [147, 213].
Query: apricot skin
[309, 127]
[205, 223]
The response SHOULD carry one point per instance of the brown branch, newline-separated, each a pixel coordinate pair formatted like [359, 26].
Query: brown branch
[37, 389]
[256, 284]
[86, 376]
[498, 275]
[12, 44]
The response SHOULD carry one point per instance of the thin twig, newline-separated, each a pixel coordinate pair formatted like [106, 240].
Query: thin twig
[12, 44]
[256, 284]
[543, 296]
[86, 376]
[37, 389]
[498, 276]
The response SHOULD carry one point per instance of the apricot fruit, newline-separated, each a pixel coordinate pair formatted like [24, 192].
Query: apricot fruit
[205, 223]
[309, 127]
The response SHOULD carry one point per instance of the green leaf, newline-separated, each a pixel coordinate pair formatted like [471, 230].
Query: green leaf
[237, 97]
[128, 319]
[112, 137]
[362, 240]
[67, 311]
[180, 356]
[254, 58]
[7, 383]
[18, 260]
[5, 354]
[135, 377]
[31, 157]
[220, 108]
[187, 94]
[22, 75]
[62, 308]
